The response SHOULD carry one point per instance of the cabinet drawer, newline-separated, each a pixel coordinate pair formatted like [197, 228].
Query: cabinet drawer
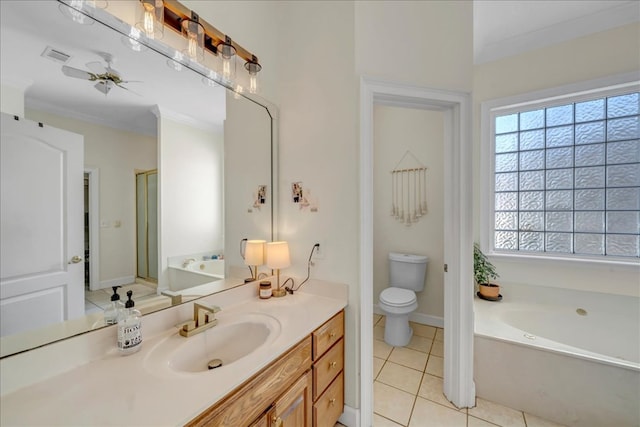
[328, 408]
[327, 335]
[327, 368]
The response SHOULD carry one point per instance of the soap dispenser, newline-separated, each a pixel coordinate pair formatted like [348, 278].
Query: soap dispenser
[113, 312]
[129, 328]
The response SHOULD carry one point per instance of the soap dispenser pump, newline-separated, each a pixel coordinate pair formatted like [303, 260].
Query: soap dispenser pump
[113, 312]
[129, 328]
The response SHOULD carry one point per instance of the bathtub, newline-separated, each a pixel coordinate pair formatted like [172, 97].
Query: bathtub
[195, 273]
[569, 356]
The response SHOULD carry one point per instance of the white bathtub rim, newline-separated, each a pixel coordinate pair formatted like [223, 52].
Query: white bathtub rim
[488, 325]
[543, 344]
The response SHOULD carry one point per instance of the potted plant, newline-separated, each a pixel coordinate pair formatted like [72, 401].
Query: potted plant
[483, 273]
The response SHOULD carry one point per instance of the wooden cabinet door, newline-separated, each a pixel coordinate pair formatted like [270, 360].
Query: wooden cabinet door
[293, 409]
[264, 419]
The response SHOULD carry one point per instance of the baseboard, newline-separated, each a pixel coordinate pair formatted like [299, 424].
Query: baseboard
[350, 417]
[119, 281]
[423, 319]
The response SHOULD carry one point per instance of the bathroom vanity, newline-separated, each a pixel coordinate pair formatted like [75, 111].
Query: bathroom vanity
[287, 369]
[304, 387]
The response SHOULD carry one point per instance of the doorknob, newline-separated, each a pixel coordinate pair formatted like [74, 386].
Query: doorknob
[76, 259]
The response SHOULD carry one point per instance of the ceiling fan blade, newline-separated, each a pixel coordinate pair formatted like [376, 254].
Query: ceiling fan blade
[97, 67]
[127, 89]
[77, 73]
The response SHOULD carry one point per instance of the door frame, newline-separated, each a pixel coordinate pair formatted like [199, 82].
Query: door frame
[94, 227]
[459, 387]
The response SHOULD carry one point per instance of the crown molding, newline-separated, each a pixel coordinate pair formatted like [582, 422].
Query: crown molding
[162, 112]
[596, 22]
[72, 114]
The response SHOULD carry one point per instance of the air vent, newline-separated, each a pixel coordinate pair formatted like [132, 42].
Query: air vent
[55, 55]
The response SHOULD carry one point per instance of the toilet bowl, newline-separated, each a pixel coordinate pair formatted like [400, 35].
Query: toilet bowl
[406, 277]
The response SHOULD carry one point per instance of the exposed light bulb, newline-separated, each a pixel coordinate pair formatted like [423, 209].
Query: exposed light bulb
[226, 68]
[149, 21]
[192, 47]
[253, 67]
[253, 83]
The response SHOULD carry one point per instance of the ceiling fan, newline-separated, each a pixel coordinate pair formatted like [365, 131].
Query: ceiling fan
[105, 76]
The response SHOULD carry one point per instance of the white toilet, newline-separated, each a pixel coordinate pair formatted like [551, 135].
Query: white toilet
[406, 277]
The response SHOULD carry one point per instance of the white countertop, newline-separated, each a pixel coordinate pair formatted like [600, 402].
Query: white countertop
[122, 390]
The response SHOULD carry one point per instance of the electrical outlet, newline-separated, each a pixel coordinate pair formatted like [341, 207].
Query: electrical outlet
[320, 251]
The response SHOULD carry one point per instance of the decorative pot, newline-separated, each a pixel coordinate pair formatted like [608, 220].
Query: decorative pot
[490, 290]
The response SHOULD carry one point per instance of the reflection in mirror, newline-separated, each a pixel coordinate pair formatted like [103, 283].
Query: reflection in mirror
[150, 186]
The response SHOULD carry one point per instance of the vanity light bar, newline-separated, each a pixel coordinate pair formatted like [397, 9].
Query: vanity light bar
[175, 13]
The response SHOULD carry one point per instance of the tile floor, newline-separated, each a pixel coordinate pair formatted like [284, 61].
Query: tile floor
[407, 387]
[97, 301]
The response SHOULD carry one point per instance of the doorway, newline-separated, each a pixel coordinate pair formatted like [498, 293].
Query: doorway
[147, 225]
[458, 292]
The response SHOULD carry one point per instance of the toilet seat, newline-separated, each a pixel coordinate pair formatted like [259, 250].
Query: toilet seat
[398, 297]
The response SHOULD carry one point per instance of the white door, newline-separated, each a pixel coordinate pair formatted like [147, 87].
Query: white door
[41, 234]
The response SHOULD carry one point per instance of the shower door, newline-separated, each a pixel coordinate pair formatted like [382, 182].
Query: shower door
[147, 225]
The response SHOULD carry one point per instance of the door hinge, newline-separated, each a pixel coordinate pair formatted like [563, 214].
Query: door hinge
[446, 268]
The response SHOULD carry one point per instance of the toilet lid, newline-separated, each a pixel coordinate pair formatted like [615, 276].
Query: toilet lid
[398, 297]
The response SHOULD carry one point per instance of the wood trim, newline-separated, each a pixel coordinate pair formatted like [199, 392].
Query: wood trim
[248, 401]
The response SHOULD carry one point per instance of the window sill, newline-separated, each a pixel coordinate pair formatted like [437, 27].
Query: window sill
[631, 264]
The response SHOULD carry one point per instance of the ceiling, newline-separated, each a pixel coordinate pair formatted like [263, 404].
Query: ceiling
[508, 27]
[28, 27]
[501, 28]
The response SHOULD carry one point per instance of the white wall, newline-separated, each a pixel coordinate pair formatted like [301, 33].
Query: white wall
[191, 191]
[118, 155]
[598, 55]
[421, 132]
[247, 164]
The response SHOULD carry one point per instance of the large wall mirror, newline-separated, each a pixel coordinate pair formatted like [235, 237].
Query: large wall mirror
[171, 172]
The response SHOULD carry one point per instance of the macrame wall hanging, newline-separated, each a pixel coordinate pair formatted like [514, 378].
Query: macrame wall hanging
[409, 190]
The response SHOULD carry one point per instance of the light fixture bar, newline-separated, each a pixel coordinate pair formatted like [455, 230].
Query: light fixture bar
[175, 13]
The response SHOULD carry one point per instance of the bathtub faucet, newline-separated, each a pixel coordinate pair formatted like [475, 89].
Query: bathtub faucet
[186, 262]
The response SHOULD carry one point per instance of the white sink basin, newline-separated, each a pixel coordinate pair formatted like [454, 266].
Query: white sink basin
[232, 339]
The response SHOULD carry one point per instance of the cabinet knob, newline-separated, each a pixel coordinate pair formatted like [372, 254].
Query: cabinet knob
[332, 401]
[332, 364]
[332, 334]
[277, 421]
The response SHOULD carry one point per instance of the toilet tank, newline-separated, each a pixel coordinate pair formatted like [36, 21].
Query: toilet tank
[407, 271]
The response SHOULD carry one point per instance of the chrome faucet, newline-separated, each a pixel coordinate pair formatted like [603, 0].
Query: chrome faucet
[186, 262]
[203, 319]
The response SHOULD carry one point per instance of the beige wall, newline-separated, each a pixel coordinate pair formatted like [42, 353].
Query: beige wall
[421, 132]
[427, 43]
[318, 101]
[118, 155]
[598, 55]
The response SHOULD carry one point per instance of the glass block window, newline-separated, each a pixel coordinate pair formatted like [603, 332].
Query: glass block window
[566, 178]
